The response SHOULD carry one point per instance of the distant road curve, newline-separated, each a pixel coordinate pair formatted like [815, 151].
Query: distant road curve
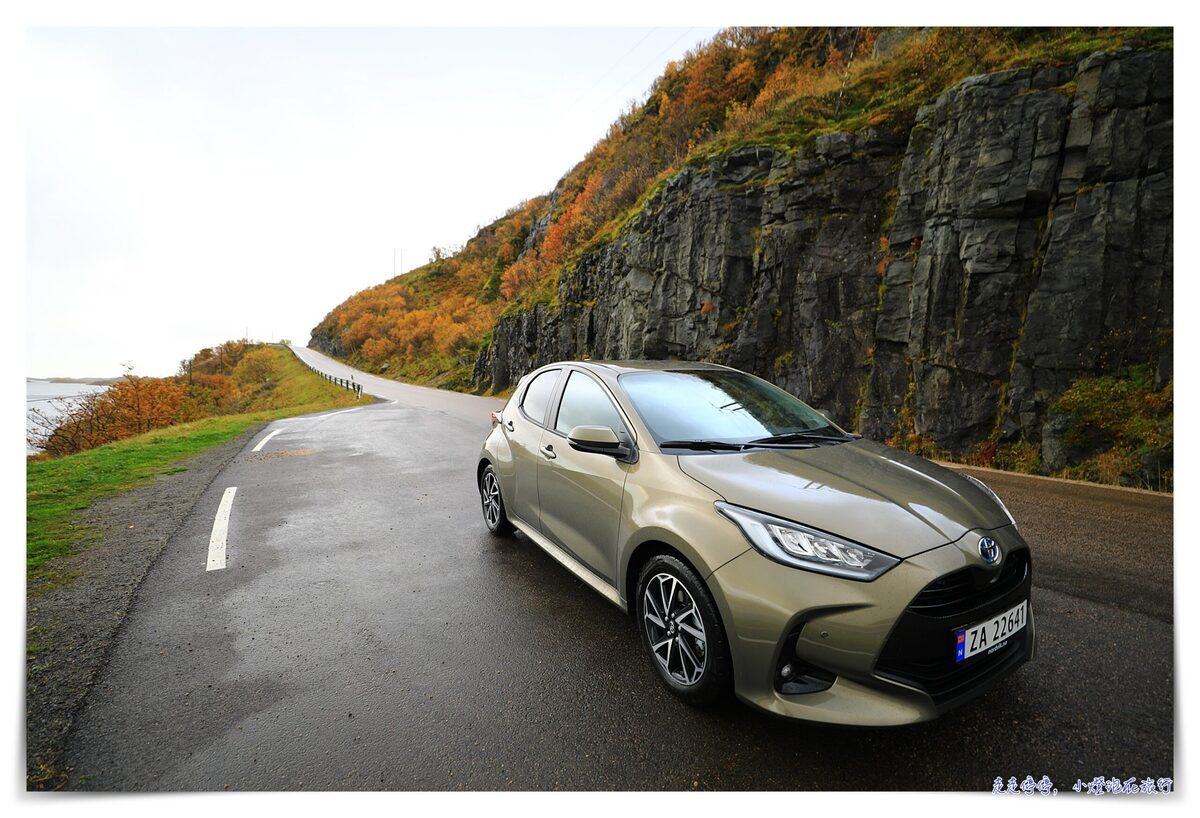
[458, 404]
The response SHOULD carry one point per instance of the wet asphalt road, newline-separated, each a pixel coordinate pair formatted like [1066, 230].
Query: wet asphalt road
[368, 633]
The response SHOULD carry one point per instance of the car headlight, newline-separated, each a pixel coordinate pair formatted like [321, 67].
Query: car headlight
[802, 547]
[983, 487]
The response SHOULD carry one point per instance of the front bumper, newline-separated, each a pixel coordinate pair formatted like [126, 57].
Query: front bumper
[888, 642]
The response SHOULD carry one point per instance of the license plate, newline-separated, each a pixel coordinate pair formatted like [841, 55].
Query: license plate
[990, 635]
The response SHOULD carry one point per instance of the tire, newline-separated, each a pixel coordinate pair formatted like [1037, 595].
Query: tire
[674, 643]
[495, 515]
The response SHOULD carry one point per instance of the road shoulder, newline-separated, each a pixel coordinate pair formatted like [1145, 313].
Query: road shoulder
[73, 616]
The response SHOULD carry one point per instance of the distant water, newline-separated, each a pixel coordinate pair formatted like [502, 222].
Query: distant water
[49, 397]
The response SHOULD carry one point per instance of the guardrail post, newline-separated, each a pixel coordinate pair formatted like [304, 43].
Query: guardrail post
[346, 383]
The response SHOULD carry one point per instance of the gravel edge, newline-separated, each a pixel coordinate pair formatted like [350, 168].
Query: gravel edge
[76, 614]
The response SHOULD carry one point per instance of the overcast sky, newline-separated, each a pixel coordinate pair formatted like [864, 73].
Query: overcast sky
[186, 186]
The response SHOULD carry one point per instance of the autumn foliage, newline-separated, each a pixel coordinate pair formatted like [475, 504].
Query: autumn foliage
[220, 380]
[129, 407]
[774, 86]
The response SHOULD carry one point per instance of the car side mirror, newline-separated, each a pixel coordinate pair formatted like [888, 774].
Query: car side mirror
[597, 440]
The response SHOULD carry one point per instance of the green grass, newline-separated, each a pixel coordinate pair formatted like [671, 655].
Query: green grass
[57, 489]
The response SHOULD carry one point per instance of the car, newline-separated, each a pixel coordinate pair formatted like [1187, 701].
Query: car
[760, 548]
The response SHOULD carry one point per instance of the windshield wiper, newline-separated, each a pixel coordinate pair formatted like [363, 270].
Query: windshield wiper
[800, 437]
[702, 445]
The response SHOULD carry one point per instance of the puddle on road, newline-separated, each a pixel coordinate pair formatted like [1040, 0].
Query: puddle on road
[260, 456]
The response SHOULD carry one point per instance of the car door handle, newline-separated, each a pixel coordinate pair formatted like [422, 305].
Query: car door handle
[510, 426]
[548, 451]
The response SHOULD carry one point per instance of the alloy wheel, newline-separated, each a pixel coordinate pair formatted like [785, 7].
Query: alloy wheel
[489, 491]
[675, 629]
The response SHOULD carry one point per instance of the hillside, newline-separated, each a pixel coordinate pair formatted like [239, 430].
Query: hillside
[954, 240]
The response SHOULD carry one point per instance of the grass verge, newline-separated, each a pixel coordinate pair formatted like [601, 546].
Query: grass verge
[56, 489]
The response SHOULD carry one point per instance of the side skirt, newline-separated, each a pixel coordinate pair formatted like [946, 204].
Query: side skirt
[573, 565]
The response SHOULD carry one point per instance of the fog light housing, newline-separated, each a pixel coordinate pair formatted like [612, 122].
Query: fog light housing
[794, 677]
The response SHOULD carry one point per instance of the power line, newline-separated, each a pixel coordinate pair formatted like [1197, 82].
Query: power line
[597, 81]
[642, 70]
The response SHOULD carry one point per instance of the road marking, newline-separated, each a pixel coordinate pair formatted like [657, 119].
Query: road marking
[220, 530]
[344, 411]
[263, 442]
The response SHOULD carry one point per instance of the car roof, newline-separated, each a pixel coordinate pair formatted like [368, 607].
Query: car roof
[618, 367]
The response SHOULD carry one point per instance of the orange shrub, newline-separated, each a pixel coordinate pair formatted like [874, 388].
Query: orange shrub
[378, 350]
[129, 407]
[256, 366]
[211, 394]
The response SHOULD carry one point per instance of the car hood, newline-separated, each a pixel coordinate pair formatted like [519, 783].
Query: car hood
[896, 502]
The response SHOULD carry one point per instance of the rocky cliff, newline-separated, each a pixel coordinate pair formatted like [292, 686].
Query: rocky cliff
[942, 279]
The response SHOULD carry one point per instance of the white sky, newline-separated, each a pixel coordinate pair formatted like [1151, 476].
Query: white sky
[186, 186]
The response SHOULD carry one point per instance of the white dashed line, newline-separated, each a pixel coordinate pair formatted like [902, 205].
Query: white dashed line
[220, 530]
[263, 442]
[342, 412]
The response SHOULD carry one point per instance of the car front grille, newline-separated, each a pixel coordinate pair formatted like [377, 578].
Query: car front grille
[920, 650]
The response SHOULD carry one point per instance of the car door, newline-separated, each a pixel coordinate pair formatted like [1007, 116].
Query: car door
[581, 493]
[524, 429]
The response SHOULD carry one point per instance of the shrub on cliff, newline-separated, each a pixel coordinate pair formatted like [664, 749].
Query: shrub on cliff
[1115, 429]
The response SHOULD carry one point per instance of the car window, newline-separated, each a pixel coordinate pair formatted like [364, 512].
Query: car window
[716, 405]
[537, 395]
[585, 403]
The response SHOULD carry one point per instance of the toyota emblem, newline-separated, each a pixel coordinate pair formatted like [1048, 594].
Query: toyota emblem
[989, 550]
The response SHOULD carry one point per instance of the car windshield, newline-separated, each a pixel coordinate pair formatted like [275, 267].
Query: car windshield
[717, 404]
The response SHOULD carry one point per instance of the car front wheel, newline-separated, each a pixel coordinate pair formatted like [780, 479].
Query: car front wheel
[682, 631]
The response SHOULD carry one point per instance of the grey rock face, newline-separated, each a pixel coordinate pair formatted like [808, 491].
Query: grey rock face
[761, 260]
[1103, 294]
[1031, 243]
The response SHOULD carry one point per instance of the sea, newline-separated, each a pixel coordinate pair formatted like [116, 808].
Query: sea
[50, 397]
